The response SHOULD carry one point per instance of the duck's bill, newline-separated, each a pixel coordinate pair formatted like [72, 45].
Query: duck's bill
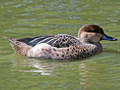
[105, 37]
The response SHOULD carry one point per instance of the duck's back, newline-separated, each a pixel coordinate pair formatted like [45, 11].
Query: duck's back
[59, 40]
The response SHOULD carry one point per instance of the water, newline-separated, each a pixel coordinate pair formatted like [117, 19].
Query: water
[28, 18]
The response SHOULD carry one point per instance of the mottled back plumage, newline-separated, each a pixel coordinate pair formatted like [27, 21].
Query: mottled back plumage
[59, 41]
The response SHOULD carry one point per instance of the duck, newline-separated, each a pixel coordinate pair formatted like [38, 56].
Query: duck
[62, 46]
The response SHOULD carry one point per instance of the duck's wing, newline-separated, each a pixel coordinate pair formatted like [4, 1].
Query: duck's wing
[64, 40]
[60, 40]
[32, 41]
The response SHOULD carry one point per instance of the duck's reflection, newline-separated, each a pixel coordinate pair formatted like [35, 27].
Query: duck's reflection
[44, 67]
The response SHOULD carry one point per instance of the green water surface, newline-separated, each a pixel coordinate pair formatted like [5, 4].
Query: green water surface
[28, 18]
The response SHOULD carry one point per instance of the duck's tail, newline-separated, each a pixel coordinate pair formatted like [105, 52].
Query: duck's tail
[19, 47]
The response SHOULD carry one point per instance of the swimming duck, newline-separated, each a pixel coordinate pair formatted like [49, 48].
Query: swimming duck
[62, 46]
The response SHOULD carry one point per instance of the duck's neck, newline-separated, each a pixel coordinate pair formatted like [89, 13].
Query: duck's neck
[84, 50]
[89, 49]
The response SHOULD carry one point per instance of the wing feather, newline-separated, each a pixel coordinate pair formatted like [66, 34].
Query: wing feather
[60, 40]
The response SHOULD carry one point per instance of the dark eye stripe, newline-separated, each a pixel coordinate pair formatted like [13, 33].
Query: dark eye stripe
[93, 31]
[96, 31]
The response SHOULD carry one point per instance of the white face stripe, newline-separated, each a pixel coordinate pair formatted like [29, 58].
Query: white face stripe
[90, 37]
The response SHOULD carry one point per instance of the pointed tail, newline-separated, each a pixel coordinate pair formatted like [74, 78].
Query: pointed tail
[9, 39]
[19, 47]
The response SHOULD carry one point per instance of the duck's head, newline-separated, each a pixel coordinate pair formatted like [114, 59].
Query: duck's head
[93, 33]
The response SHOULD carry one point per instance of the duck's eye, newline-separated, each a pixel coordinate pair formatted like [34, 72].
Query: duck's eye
[93, 31]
